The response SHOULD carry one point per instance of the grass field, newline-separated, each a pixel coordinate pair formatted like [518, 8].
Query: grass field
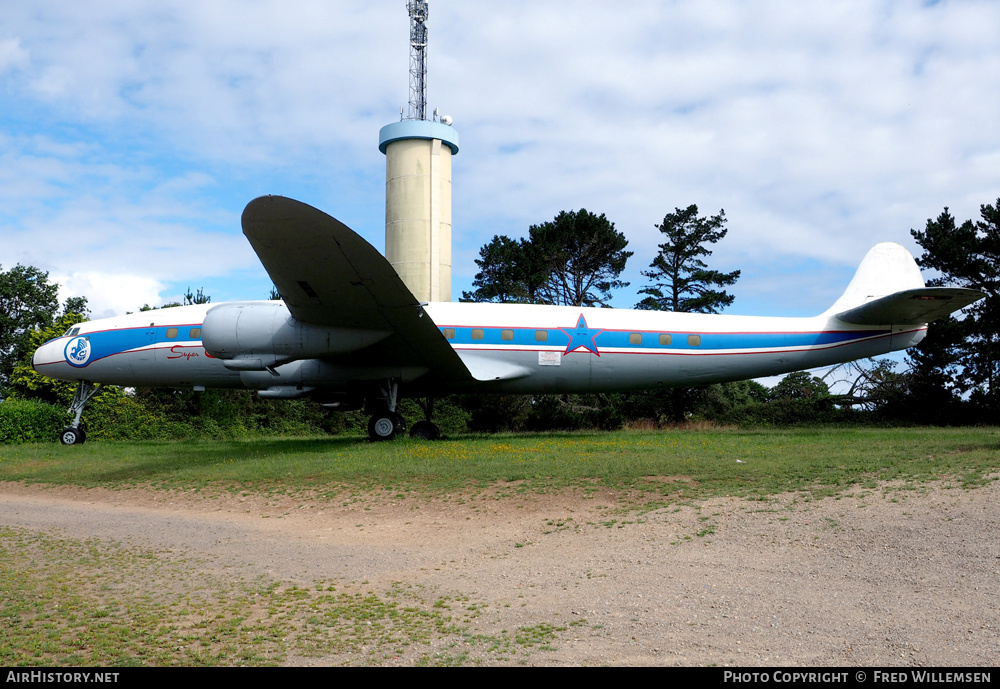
[701, 463]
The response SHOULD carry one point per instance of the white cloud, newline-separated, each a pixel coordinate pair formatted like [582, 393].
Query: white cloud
[110, 294]
[12, 56]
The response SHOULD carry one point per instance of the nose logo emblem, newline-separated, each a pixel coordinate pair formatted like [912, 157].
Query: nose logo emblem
[78, 351]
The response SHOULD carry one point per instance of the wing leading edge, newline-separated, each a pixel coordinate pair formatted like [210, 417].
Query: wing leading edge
[329, 275]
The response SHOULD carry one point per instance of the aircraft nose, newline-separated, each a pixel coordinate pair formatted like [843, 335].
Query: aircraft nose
[44, 354]
[35, 358]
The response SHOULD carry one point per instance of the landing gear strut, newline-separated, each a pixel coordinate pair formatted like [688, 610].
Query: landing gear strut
[385, 421]
[73, 434]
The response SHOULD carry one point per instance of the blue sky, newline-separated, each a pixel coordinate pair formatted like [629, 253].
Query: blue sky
[133, 134]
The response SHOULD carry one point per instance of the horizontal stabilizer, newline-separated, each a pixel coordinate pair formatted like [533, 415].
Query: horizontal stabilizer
[911, 307]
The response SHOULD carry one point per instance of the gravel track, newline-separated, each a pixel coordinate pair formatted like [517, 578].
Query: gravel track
[872, 577]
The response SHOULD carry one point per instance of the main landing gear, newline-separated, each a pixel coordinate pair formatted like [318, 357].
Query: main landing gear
[386, 422]
[73, 434]
[426, 429]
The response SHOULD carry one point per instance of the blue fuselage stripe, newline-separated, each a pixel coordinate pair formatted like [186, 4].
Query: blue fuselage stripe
[650, 341]
[111, 342]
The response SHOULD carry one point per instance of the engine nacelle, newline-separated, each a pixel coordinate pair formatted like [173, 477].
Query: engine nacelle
[259, 335]
[320, 374]
[284, 392]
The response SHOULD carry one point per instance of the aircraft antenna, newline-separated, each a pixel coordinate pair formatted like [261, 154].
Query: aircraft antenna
[418, 59]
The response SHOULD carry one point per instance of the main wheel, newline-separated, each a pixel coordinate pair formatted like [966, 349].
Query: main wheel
[383, 426]
[71, 436]
[425, 430]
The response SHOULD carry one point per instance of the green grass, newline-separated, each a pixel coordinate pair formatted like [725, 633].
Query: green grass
[72, 602]
[681, 464]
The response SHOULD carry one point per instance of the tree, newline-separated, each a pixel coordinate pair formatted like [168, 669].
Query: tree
[574, 260]
[682, 282]
[799, 385]
[581, 256]
[506, 274]
[961, 355]
[721, 401]
[190, 299]
[26, 383]
[28, 301]
[681, 279]
[77, 305]
[873, 385]
[199, 297]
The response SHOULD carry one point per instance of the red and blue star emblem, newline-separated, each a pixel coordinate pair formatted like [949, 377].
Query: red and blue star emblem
[582, 337]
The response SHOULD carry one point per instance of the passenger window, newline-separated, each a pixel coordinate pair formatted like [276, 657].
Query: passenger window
[195, 334]
[171, 333]
[506, 334]
[477, 333]
[541, 335]
[635, 338]
[665, 339]
[449, 333]
[694, 340]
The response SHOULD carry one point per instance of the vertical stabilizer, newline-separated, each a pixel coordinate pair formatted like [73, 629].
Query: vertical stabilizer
[887, 268]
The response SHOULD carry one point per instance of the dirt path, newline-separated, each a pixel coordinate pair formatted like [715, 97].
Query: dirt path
[875, 577]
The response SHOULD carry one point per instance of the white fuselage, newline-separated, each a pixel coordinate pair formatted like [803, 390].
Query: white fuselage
[506, 347]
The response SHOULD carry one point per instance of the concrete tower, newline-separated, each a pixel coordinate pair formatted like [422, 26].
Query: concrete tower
[418, 155]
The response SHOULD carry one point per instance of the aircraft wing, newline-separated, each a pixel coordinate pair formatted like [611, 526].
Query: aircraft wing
[912, 306]
[328, 275]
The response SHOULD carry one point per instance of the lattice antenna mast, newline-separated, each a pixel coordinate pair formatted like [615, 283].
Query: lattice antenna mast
[418, 59]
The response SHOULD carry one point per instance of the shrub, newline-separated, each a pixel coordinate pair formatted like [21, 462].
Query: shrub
[28, 421]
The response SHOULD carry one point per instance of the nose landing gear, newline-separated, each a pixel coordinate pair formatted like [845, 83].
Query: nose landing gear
[73, 434]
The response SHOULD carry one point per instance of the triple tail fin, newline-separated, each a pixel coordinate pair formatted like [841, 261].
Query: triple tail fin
[888, 289]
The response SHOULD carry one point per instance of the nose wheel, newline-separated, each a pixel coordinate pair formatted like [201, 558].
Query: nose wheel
[72, 436]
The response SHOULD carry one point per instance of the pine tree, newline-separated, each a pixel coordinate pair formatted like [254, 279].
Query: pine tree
[682, 281]
[961, 354]
[575, 259]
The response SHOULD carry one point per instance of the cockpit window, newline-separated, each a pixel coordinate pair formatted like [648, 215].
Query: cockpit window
[75, 330]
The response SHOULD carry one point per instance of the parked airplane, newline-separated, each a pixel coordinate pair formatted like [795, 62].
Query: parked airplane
[350, 333]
